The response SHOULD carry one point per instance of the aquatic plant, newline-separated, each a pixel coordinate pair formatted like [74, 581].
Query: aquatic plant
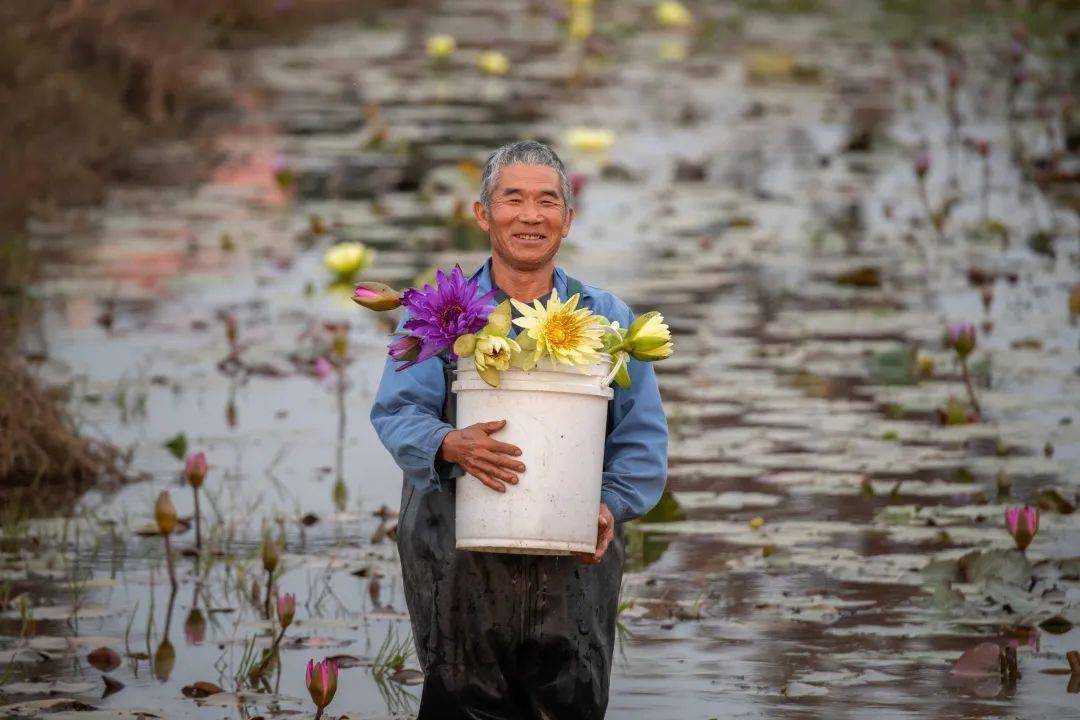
[1074, 302]
[195, 473]
[921, 166]
[165, 516]
[960, 337]
[493, 62]
[439, 315]
[589, 140]
[271, 556]
[321, 681]
[346, 259]
[377, 296]
[1022, 524]
[440, 47]
[673, 14]
[983, 148]
[561, 332]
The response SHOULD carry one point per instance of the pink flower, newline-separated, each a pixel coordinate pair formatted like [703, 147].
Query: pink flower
[961, 338]
[286, 609]
[1023, 524]
[322, 682]
[921, 164]
[195, 469]
[323, 368]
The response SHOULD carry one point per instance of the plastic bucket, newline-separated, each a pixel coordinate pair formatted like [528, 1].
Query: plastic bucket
[559, 420]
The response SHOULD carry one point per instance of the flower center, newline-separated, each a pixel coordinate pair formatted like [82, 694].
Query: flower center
[558, 331]
[449, 315]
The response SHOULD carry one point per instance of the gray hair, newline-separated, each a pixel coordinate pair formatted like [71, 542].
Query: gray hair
[526, 152]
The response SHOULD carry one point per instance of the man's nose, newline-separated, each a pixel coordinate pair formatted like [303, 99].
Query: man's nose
[530, 213]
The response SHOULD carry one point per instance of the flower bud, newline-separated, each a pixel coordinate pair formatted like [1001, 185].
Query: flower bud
[441, 47]
[165, 513]
[286, 609]
[649, 338]
[493, 62]
[961, 338]
[345, 259]
[405, 349]
[195, 470]
[921, 164]
[1022, 524]
[465, 345]
[377, 296]
[195, 627]
[321, 681]
[270, 553]
[164, 660]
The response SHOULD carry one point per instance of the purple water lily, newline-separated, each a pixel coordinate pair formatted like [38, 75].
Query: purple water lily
[442, 314]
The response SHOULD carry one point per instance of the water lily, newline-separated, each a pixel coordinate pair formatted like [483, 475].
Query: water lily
[442, 314]
[961, 338]
[165, 517]
[270, 553]
[493, 62]
[649, 338]
[441, 47]
[286, 609]
[376, 296]
[321, 681]
[195, 473]
[195, 627]
[405, 349]
[195, 469]
[323, 368]
[589, 139]
[346, 259]
[672, 13]
[562, 331]
[1074, 302]
[580, 26]
[1023, 525]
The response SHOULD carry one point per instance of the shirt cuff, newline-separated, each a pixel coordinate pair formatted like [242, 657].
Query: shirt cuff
[618, 507]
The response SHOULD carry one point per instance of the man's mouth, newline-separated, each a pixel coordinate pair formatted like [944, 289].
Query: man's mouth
[529, 236]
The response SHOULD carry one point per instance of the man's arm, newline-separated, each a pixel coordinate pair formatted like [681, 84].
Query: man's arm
[407, 416]
[635, 455]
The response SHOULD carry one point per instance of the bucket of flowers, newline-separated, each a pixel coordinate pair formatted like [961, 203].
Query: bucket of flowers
[548, 373]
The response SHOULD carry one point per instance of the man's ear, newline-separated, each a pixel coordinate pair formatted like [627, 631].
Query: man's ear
[567, 221]
[480, 212]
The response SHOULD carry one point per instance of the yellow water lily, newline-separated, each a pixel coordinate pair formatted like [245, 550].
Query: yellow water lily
[562, 331]
[581, 21]
[493, 62]
[345, 259]
[492, 356]
[590, 140]
[672, 13]
[649, 338]
[441, 47]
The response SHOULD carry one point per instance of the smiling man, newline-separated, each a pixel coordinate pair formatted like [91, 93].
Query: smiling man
[514, 636]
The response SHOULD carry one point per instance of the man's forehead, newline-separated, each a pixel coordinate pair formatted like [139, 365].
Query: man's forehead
[519, 177]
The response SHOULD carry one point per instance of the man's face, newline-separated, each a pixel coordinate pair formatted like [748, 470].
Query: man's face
[528, 217]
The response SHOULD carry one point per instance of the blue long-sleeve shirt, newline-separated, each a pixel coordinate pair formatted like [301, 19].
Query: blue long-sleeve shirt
[407, 415]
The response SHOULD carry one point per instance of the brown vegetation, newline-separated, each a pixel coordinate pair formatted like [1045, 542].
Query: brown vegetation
[82, 81]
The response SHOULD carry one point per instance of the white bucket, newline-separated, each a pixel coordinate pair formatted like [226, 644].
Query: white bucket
[559, 420]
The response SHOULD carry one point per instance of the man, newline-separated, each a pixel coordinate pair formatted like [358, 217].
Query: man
[504, 636]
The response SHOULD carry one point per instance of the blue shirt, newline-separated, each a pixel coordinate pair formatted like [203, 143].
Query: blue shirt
[407, 415]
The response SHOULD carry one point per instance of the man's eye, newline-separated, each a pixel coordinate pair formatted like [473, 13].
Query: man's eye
[514, 201]
[548, 203]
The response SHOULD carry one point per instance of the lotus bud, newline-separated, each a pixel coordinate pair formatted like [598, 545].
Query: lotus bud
[165, 513]
[1022, 524]
[286, 609]
[441, 47]
[377, 296]
[961, 338]
[493, 62]
[321, 680]
[648, 338]
[195, 470]
[270, 553]
[405, 348]
[921, 165]
[323, 368]
[673, 14]
[465, 345]
[231, 330]
[1074, 302]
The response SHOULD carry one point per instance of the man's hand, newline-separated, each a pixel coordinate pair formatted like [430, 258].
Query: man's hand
[605, 533]
[482, 456]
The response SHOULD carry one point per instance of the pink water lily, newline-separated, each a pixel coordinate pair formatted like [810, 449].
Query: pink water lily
[961, 338]
[195, 469]
[323, 368]
[286, 609]
[1023, 525]
[321, 683]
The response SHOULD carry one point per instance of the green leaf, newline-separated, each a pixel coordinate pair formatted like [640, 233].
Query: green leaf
[490, 375]
[177, 446]
[498, 323]
[1056, 625]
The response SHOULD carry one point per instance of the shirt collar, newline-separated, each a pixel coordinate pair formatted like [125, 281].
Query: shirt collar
[484, 282]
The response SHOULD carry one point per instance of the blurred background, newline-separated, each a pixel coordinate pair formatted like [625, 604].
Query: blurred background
[858, 216]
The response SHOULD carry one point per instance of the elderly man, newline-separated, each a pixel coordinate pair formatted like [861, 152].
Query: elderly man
[504, 636]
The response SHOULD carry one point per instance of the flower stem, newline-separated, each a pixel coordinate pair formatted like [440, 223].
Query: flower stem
[318, 714]
[198, 521]
[269, 592]
[970, 389]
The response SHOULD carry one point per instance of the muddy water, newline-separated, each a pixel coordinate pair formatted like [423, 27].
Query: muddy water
[790, 398]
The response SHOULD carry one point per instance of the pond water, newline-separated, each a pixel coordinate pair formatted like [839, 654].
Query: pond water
[827, 546]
